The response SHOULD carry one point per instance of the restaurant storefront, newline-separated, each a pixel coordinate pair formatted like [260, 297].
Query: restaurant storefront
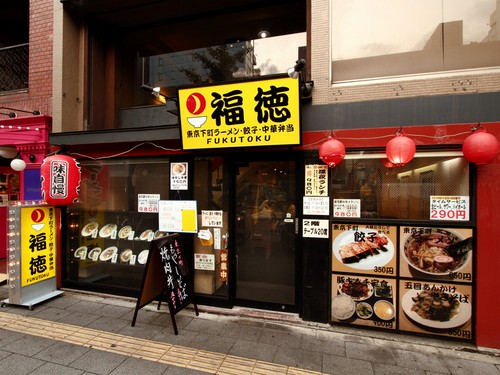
[366, 243]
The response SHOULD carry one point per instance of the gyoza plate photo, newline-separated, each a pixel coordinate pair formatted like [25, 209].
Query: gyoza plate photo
[142, 258]
[375, 250]
[124, 232]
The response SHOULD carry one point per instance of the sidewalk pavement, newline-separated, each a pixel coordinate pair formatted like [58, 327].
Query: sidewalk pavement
[81, 333]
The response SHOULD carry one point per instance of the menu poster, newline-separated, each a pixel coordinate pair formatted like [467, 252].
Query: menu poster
[364, 301]
[316, 183]
[436, 308]
[364, 248]
[441, 254]
[166, 276]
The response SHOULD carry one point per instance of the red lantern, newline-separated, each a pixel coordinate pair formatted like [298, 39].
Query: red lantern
[400, 150]
[480, 147]
[332, 152]
[387, 163]
[61, 177]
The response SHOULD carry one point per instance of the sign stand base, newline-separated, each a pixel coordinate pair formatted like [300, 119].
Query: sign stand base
[33, 301]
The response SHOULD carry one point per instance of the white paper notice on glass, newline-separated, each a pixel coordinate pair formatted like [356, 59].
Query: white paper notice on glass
[178, 216]
[204, 262]
[211, 218]
[343, 208]
[454, 207]
[179, 176]
[147, 202]
[316, 206]
[315, 228]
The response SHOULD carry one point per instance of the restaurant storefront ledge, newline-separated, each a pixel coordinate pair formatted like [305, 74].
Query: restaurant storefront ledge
[283, 319]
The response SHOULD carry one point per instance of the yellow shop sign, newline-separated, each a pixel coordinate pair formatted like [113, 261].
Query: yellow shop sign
[243, 114]
[38, 244]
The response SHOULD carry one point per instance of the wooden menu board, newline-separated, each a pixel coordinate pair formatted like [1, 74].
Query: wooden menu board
[166, 276]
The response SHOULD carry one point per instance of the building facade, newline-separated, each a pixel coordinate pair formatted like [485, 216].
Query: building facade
[273, 226]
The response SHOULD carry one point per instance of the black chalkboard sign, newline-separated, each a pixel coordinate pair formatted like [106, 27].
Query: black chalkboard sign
[166, 277]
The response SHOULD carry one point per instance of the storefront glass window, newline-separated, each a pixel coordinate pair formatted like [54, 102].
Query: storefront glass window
[385, 191]
[211, 271]
[110, 231]
[393, 37]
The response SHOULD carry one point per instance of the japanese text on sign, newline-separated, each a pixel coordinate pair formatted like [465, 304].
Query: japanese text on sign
[316, 180]
[174, 268]
[346, 208]
[316, 206]
[59, 179]
[449, 208]
[148, 202]
[38, 245]
[211, 218]
[256, 113]
[315, 228]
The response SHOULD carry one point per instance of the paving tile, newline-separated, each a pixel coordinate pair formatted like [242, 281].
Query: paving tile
[299, 358]
[114, 311]
[140, 330]
[51, 313]
[79, 319]
[459, 366]
[55, 369]
[167, 335]
[333, 364]
[108, 324]
[241, 332]
[205, 326]
[139, 366]
[28, 345]
[62, 353]
[85, 307]
[257, 351]
[6, 337]
[385, 369]
[328, 346]
[370, 353]
[212, 343]
[19, 364]
[98, 362]
[420, 361]
[283, 338]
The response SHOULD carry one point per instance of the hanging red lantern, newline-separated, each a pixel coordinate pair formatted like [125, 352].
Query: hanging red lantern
[332, 152]
[480, 147]
[61, 175]
[400, 150]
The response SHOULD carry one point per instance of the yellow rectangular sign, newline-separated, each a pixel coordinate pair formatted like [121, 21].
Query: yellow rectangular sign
[243, 114]
[38, 244]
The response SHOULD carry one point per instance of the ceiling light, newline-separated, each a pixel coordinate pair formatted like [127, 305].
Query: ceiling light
[264, 34]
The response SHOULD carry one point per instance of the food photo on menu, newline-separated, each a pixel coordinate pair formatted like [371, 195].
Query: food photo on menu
[437, 253]
[362, 301]
[444, 309]
[364, 248]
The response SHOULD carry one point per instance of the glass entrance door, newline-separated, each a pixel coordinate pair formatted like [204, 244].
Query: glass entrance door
[265, 232]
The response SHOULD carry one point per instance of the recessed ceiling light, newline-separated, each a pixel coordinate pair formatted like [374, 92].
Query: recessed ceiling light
[264, 34]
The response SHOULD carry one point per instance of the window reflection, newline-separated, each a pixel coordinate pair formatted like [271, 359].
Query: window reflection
[228, 62]
[399, 192]
[393, 37]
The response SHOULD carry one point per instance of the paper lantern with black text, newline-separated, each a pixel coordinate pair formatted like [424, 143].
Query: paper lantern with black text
[61, 176]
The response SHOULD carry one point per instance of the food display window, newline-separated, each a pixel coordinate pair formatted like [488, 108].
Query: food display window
[109, 232]
[403, 245]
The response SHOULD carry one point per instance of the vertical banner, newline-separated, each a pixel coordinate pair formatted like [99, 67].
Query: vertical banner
[38, 244]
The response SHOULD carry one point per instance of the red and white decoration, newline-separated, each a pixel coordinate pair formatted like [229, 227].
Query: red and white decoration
[61, 176]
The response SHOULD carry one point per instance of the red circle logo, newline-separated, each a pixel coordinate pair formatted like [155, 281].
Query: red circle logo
[37, 215]
[196, 103]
